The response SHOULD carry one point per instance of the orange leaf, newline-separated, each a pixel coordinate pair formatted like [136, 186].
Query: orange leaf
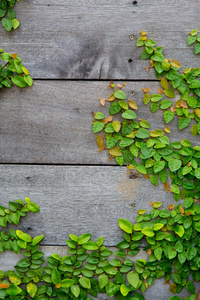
[14, 55]
[189, 164]
[183, 104]
[146, 176]
[151, 203]
[160, 91]
[4, 285]
[109, 118]
[146, 90]
[147, 69]
[166, 185]
[149, 251]
[171, 206]
[188, 213]
[58, 285]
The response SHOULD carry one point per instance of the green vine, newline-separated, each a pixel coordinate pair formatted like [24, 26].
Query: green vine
[6, 7]
[171, 237]
[13, 71]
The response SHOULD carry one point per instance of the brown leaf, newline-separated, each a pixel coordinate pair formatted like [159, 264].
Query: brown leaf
[196, 200]
[147, 69]
[189, 164]
[188, 213]
[176, 63]
[111, 82]
[109, 118]
[183, 104]
[132, 104]
[146, 176]
[172, 109]
[102, 101]
[121, 85]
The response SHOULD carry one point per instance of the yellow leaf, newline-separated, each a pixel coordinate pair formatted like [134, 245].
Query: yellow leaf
[100, 142]
[26, 72]
[133, 105]
[116, 125]
[197, 112]
[167, 129]
[176, 63]
[131, 135]
[164, 83]
[14, 55]
[187, 70]
[141, 211]
[130, 167]
[111, 97]
[115, 151]
[144, 33]
[157, 204]
[143, 38]
[181, 209]
[14, 279]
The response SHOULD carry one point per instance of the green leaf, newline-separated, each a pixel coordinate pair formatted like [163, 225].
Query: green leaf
[174, 164]
[103, 280]
[142, 133]
[27, 78]
[125, 142]
[55, 276]
[7, 23]
[141, 168]
[75, 290]
[179, 229]
[111, 142]
[15, 24]
[99, 116]
[66, 283]
[31, 289]
[158, 253]
[24, 236]
[172, 75]
[37, 239]
[11, 14]
[190, 287]
[13, 290]
[90, 245]
[146, 99]
[133, 279]
[148, 231]
[191, 252]
[168, 116]
[188, 202]
[197, 48]
[157, 226]
[19, 81]
[165, 104]
[120, 95]
[85, 282]
[183, 122]
[33, 207]
[123, 104]
[110, 270]
[124, 290]
[125, 225]
[169, 93]
[114, 108]
[158, 166]
[154, 107]
[157, 56]
[156, 98]
[129, 114]
[98, 126]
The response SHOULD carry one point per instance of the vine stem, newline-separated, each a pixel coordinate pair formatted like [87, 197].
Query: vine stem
[5, 65]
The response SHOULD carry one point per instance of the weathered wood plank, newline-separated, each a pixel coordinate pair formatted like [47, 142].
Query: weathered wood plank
[51, 122]
[75, 199]
[158, 291]
[90, 39]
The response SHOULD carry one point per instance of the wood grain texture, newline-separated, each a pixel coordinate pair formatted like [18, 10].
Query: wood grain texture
[50, 123]
[75, 199]
[90, 38]
[158, 290]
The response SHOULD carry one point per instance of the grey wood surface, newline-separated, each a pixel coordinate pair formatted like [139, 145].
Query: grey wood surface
[90, 38]
[158, 290]
[75, 199]
[51, 121]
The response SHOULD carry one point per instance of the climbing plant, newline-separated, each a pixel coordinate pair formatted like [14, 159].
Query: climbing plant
[13, 71]
[171, 236]
[6, 8]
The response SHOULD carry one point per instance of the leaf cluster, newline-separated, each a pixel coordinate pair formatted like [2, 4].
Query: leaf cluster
[6, 8]
[186, 85]
[13, 71]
